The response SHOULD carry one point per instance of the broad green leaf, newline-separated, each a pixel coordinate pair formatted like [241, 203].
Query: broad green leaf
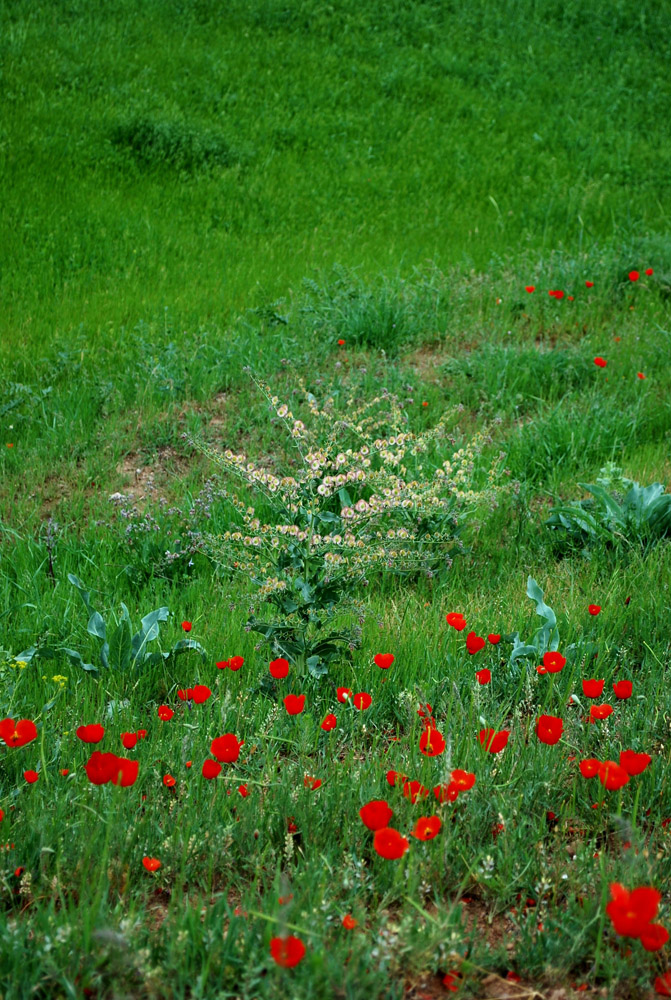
[120, 646]
[75, 658]
[184, 645]
[542, 609]
[344, 497]
[150, 623]
[96, 625]
[26, 655]
[76, 582]
[316, 666]
[607, 500]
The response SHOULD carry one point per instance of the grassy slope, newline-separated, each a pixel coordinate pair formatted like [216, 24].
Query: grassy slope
[297, 137]
[126, 286]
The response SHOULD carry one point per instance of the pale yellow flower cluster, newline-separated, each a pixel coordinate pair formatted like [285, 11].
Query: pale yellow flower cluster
[398, 501]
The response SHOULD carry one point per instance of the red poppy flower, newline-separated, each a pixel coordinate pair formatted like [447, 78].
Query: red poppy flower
[226, 748]
[395, 778]
[456, 620]
[600, 712]
[529, 288]
[125, 772]
[362, 701]
[287, 951]
[632, 912]
[554, 662]
[129, 740]
[294, 703]
[389, 844]
[414, 790]
[384, 660]
[91, 734]
[236, 662]
[446, 793]
[463, 780]
[623, 689]
[452, 981]
[426, 828]
[483, 676]
[589, 284]
[474, 643]
[151, 864]
[600, 362]
[100, 767]
[222, 664]
[376, 814]
[492, 741]
[279, 668]
[244, 791]
[549, 729]
[654, 937]
[165, 713]
[211, 768]
[431, 742]
[341, 342]
[640, 375]
[592, 688]
[169, 781]
[329, 723]
[17, 734]
[460, 781]
[634, 763]
[185, 694]
[663, 984]
[201, 693]
[649, 271]
[634, 276]
[31, 776]
[186, 626]
[589, 767]
[312, 783]
[343, 694]
[594, 609]
[2, 815]
[494, 638]
[64, 772]
[612, 776]
[142, 733]
[348, 922]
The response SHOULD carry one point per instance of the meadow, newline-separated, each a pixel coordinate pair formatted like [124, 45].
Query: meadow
[246, 229]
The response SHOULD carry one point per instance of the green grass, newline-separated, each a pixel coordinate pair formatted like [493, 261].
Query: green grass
[193, 189]
[207, 158]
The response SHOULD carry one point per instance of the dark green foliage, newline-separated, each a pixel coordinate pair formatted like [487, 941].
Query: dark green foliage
[637, 516]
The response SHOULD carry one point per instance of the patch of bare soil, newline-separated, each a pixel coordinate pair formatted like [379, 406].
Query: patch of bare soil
[141, 480]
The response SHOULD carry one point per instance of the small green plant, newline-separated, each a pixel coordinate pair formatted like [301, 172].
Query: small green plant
[619, 511]
[546, 637]
[371, 496]
[121, 649]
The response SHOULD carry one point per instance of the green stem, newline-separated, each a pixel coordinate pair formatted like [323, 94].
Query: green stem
[602, 918]
[43, 758]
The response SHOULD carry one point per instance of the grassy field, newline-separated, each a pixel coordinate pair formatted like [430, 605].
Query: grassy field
[358, 199]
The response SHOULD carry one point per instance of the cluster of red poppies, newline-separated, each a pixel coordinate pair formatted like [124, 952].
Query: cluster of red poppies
[556, 293]
[632, 913]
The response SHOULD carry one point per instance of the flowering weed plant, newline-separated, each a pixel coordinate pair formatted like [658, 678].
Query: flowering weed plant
[369, 495]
